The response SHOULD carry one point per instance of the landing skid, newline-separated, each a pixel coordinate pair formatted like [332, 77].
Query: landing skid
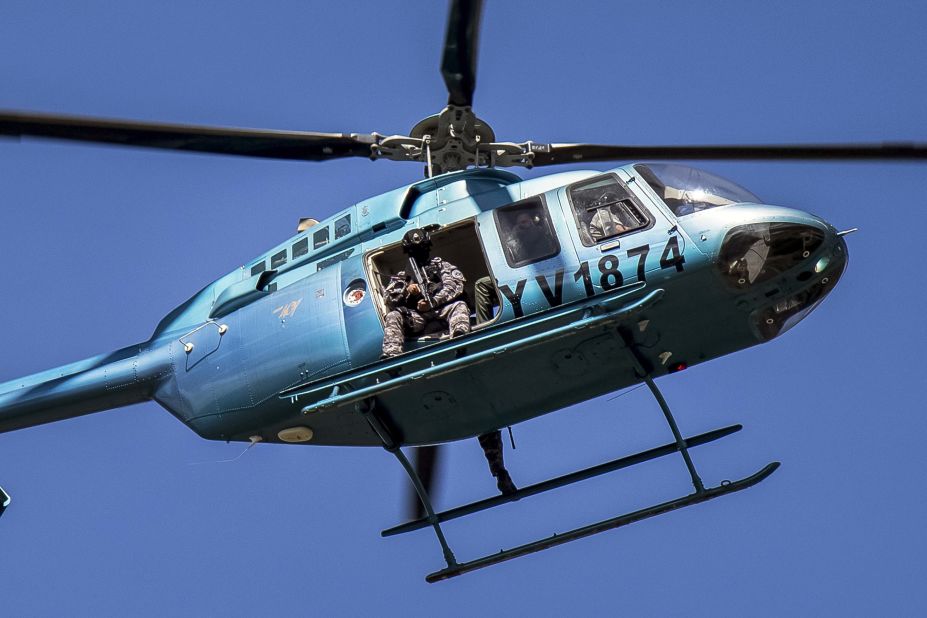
[681, 445]
[608, 524]
[561, 481]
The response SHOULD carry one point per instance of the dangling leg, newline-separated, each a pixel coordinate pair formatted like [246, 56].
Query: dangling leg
[393, 335]
[492, 448]
[395, 325]
[457, 315]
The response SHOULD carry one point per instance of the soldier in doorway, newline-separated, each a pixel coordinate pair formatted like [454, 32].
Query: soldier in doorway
[417, 302]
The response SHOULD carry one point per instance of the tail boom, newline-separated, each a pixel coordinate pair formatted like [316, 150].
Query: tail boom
[121, 378]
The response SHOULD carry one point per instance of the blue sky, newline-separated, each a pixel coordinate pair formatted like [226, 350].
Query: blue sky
[126, 513]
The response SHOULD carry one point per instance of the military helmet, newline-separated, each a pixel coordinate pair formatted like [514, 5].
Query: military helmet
[417, 244]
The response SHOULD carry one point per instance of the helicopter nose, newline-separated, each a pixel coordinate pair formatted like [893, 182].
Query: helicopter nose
[785, 268]
[753, 254]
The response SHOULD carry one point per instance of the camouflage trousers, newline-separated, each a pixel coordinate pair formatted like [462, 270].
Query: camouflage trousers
[455, 317]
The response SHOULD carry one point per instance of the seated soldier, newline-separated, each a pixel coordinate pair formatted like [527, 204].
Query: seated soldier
[412, 308]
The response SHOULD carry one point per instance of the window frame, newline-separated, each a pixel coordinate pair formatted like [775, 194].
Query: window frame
[537, 200]
[342, 226]
[258, 267]
[582, 228]
[300, 247]
[278, 259]
[318, 232]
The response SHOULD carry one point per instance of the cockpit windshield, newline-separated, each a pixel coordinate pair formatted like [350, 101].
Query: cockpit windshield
[686, 189]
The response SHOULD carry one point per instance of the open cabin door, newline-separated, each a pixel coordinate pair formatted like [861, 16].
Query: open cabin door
[458, 244]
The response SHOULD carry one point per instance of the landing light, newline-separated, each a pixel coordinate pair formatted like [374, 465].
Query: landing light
[821, 264]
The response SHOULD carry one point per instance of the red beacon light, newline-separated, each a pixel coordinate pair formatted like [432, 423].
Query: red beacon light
[677, 367]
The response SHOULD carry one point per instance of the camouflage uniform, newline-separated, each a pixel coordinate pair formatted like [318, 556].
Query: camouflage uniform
[484, 293]
[445, 285]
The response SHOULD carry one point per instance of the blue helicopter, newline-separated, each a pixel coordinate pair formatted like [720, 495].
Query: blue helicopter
[634, 273]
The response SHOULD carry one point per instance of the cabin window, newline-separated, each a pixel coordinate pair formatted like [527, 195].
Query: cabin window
[278, 259]
[342, 227]
[526, 233]
[300, 248]
[605, 209]
[320, 238]
[258, 268]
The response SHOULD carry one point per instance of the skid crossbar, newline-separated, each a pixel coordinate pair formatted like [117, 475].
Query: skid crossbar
[602, 526]
[566, 479]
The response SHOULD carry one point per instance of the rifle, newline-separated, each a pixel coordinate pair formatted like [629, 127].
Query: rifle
[419, 278]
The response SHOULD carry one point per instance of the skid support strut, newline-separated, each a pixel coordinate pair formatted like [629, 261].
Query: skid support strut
[682, 445]
[639, 363]
[366, 409]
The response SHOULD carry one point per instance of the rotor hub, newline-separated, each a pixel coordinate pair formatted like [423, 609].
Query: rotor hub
[452, 138]
[452, 141]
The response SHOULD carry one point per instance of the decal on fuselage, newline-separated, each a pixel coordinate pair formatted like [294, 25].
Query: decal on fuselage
[285, 311]
[609, 276]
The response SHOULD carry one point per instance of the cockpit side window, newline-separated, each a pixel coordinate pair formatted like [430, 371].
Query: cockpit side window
[526, 232]
[605, 209]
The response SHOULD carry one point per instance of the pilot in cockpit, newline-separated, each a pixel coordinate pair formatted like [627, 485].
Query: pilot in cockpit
[606, 222]
[687, 190]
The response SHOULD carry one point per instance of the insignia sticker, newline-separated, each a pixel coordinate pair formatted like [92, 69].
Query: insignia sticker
[353, 298]
[284, 311]
[355, 293]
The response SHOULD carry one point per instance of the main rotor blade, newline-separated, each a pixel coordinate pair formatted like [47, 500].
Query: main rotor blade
[458, 65]
[299, 145]
[552, 154]
[426, 460]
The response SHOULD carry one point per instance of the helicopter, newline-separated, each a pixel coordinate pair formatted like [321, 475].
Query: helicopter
[625, 283]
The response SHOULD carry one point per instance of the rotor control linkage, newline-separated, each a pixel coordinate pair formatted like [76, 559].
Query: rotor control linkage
[452, 141]
[450, 146]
